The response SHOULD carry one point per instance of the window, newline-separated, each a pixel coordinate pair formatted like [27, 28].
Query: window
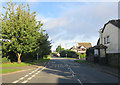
[83, 49]
[104, 40]
[108, 39]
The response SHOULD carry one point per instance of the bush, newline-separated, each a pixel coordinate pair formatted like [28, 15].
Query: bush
[55, 54]
[69, 53]
[82, 56]
[5, 60]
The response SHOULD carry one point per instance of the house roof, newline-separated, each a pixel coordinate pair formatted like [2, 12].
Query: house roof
[100, 46]
[114, 22]
[73, 48]
[98, 42]
[86, 45]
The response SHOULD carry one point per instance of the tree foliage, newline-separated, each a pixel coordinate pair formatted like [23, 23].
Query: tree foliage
[68, 53]
[59, 49]
[24, 31]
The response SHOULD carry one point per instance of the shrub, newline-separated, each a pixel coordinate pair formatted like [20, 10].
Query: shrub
[5, 60]
[82, 56]
[55, 54]
[69, 53]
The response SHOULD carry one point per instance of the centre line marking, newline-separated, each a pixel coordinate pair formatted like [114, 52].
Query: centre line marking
[26, 76]
[33, 75]
[73, 74]
[79, 81]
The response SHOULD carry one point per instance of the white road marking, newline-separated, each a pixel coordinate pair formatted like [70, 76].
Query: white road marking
[33, 75]
[79, 81]
[73, 74]
[26, 76]
[24, 82]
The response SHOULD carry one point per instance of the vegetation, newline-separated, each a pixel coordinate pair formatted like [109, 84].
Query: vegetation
[25, 34]
[80, 61]
[59, 49]
[55, 54]
[27, 63]
[82, 56]
[5, 60]
[8, 70]
[15, 64]
[68, 53]
[69, 58]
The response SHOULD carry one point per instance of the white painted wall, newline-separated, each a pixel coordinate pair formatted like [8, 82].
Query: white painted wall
[118, 40]
[111, 31]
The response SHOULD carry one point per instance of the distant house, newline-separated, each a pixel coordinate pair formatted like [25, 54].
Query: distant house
[81, 47]
[73, 49]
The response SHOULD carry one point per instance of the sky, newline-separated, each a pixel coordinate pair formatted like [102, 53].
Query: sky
[68, 23]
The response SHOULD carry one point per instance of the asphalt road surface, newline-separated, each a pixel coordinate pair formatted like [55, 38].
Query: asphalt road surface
[60, 70]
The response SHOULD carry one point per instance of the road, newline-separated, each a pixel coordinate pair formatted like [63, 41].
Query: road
[60, 70]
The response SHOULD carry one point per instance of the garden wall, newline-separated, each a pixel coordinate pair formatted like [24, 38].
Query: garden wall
[113, 59]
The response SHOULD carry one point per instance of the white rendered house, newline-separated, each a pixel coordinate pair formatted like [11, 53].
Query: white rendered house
[110, 36]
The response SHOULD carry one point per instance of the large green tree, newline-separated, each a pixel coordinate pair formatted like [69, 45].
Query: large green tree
[22, 29]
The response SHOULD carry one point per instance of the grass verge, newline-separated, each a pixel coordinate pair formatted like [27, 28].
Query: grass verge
[15, 64]
[69, 58]
[8, 70]
[80, 61]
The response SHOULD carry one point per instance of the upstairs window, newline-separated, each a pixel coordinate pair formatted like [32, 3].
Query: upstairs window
[83, 49]
[108, 39]
[104, 40]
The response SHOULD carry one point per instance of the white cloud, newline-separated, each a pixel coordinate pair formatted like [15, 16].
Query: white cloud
[80, 24]
[56, 22]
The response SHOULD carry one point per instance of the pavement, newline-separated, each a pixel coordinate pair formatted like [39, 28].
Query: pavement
[61, 70]
[105, 68]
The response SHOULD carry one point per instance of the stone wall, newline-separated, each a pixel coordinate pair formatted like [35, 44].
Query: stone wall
[113, 59]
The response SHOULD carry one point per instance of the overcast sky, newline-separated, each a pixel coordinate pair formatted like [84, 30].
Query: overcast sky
[68, 23]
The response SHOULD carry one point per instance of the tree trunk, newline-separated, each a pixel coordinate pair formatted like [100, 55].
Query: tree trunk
[19, 55]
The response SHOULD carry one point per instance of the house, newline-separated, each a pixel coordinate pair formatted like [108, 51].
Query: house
[108, 45]
[109, 36]
[81, 47]
[73, 49]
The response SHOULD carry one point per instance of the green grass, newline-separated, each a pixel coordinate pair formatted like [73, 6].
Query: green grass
[8, 70]
[80, 61]
[15, 64]
[69, 58]
[40, 60]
